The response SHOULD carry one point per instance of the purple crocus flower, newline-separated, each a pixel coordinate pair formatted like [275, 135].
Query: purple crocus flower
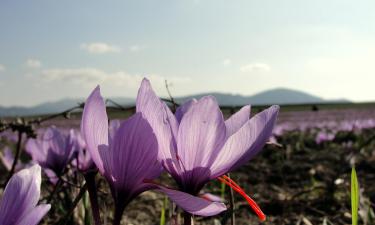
[128, 158]
[197, 145]
[52, 150]
[18, 204]
[82, 159]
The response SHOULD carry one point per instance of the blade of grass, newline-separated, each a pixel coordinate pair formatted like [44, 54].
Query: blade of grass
[354, 197]
[162, 214]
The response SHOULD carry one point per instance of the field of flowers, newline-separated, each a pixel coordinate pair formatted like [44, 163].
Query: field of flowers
[76, 168]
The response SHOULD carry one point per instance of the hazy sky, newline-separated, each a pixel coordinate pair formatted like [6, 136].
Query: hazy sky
[55, 49]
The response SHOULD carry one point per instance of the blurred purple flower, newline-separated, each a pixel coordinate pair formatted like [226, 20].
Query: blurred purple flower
[82, 159]
[52, 151]
[7, 158]
[128, 157]
[196, 144]
[18, 205]
[324, 136]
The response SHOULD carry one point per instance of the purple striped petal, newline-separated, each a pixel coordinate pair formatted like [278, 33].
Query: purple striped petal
[192, 204]
[20, 195]
[201, 132]
[163, 123]
[134, 153]
[245, 143]
[237, 120]
[94, 126]
[35, 215]
[182, 109]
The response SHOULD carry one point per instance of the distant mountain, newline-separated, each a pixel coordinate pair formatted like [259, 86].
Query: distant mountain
[275, 96]
[52, 107]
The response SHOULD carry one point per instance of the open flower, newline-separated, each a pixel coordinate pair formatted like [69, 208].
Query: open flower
[18, 204]
[197, 145]
[52, 151]
[127, 158]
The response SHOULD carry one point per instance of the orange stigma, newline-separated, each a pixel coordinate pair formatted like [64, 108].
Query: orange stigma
[225, 179]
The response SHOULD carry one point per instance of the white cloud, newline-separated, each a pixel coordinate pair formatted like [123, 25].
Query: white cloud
[227, 62]
[92, 76]
[136, 48]
[2, 68]
[99, 48]
[252, 67]
[33, 63]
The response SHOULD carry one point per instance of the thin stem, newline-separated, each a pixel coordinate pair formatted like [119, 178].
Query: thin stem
[55, 188]
[93, 194]
[16, 157]
[231, 202]
[119, 209]
[188, 219]
[170, 96]
[65, 219]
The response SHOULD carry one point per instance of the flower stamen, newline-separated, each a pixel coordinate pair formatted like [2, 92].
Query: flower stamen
[225, 179]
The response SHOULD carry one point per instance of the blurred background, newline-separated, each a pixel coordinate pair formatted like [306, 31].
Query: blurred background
[314, 58]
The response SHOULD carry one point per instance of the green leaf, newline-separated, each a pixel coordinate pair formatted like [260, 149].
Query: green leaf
[222, 190]
[354, 197]
[162, 214]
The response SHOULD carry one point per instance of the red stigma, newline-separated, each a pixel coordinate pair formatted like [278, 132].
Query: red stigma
[225, 179]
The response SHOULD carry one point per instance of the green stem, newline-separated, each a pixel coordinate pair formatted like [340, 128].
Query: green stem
[93, 194]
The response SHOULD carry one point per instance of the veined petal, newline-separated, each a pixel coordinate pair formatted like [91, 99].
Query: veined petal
[163, 123]
[237, 120]
[201, 134]
[134, 153]
[34, 216]
[113, 127]
[246, 142]
[192, 204]
[20, 195]
[94, 126]
[182, 109]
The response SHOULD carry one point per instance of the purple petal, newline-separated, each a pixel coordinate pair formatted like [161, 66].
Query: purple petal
[182, 109]
[134, 153]
[192, 204]
[163, 123]
[56, 141]
[51, 175]
[36, 150]
[246, 142]
[201, 132]
[113, 127]
[94, 127]
[7, 158]
[34, 216]
[237, 120]
[211, 197]
[20, 195]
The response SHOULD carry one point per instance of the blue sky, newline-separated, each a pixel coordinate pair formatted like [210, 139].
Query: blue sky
[55, 49]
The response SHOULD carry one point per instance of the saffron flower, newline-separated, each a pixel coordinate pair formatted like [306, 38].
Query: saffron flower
[197, 145]
[127, 158]
[82, 159]
[52, 151]
[18, 205]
